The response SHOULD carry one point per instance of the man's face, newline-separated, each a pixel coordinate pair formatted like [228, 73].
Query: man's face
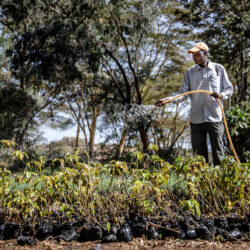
[198, 57]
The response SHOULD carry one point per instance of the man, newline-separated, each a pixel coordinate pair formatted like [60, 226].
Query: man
[205, 114]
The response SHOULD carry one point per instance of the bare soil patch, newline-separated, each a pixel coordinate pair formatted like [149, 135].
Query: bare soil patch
[138, 243]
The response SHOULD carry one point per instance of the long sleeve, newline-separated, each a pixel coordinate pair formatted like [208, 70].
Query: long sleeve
[226, 85]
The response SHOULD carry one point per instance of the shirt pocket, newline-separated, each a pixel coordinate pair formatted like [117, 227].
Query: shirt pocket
[214, 83]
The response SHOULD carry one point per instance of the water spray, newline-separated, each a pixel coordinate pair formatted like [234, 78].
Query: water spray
[128, 112]
[223, 116]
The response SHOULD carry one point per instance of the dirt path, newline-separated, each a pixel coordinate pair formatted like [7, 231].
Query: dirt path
[139, 243]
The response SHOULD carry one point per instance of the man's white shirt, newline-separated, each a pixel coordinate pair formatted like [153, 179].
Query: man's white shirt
[214, 78]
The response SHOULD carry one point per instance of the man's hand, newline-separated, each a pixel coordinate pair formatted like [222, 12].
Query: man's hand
[161, 101]
[216, 95]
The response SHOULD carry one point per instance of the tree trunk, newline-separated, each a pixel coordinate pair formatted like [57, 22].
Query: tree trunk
[144, 137]
[122, 143]
[77, 136]
[92, 131]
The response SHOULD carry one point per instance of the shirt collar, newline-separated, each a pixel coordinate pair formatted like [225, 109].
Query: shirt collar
[209, 65]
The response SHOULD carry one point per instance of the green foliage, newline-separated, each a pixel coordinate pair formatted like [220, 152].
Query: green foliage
[16, 108]
[220, 188]
[238, 119]
[191, 205]
[223, 25]
[124, 48]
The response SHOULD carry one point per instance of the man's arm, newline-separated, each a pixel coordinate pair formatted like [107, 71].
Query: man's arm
[227, 87]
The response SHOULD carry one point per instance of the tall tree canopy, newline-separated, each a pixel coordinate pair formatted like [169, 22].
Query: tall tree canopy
[128, 42]
[224, 26]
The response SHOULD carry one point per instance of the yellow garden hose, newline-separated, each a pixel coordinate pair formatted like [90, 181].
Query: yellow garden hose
[223, 115]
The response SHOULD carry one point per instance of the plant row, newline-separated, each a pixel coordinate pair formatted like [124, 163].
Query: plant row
[107, 194]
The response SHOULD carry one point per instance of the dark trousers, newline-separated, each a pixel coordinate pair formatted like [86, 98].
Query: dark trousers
[199, 140]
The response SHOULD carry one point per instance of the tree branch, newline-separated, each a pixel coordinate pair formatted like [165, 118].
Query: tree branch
[129, 60]
[128, 99]
[113, 78]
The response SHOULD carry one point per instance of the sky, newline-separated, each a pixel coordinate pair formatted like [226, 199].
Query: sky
[53, 134]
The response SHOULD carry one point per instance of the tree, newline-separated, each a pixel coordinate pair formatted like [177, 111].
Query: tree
[21, 99]
[224, 26]
[85, 106]
[133, 41]
[15, 110]
[15, 104]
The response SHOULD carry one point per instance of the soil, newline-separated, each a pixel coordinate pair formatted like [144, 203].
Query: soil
[136, 244]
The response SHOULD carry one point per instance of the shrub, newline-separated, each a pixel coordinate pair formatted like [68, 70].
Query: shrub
[238, 119]
[105, 192]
